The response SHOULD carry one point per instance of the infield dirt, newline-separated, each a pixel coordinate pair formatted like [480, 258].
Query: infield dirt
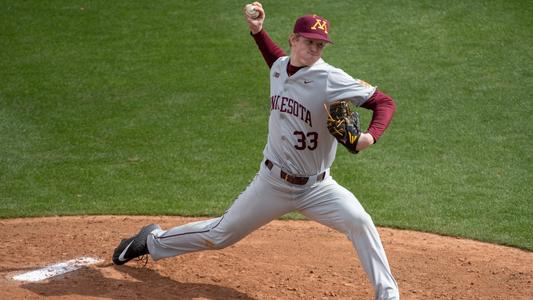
[282, 260]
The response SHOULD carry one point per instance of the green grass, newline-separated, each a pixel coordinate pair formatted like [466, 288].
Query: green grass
[161, 107]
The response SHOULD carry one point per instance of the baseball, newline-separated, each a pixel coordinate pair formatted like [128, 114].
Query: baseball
[251, 11]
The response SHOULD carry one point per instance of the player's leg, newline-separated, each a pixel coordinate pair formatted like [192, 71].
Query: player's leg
[334, 206]
[259, 204]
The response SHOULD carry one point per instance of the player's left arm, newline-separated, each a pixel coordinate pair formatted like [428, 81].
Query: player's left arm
[383, 108]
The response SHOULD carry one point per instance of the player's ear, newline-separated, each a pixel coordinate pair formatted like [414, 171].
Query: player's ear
[292, 38]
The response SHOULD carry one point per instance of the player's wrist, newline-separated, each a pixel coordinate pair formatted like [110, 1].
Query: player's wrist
[365, 141]
[255, 31]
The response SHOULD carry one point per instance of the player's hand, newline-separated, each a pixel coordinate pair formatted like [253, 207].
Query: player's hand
[255, 25]
[365, 140]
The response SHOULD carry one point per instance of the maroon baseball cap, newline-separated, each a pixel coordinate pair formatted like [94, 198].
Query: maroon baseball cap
[312, 27]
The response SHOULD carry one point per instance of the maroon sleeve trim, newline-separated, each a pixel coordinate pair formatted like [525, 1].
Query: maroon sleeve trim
[270, 50]
[383, 108]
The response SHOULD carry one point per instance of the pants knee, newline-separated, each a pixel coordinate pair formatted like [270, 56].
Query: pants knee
[360, 222]
[221, 240]
[219, 244]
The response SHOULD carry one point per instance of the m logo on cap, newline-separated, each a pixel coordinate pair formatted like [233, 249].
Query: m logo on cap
[321, 24]
[312, 27]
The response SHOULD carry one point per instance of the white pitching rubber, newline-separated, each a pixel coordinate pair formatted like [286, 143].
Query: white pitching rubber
[57, 269]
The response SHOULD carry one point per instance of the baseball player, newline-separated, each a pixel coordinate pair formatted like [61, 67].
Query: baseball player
[295, 172]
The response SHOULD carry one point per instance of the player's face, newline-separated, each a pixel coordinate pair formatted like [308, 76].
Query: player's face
[304, 51]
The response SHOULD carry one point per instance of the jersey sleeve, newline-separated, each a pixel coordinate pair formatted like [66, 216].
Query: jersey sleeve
[340, 85]
[383, 108]
[270, 50]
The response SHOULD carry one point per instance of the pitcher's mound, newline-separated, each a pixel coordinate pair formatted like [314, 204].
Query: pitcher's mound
[283, 260]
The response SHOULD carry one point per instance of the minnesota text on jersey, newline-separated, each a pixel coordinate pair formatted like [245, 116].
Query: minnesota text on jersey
[291, 106]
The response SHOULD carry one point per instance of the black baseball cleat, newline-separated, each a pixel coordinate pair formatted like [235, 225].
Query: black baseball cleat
[133, 247]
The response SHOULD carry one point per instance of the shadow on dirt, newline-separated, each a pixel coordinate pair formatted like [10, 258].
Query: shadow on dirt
[136, 283]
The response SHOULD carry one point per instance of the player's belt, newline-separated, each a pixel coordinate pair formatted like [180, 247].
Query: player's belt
[294, 179]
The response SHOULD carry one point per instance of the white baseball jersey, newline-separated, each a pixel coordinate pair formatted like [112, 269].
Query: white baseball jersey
[298, 139]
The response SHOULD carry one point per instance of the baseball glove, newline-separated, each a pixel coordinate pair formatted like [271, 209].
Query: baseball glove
[343, 124]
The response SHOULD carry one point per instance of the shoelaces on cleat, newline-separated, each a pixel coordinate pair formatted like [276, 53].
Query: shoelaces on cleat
[143, 258]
